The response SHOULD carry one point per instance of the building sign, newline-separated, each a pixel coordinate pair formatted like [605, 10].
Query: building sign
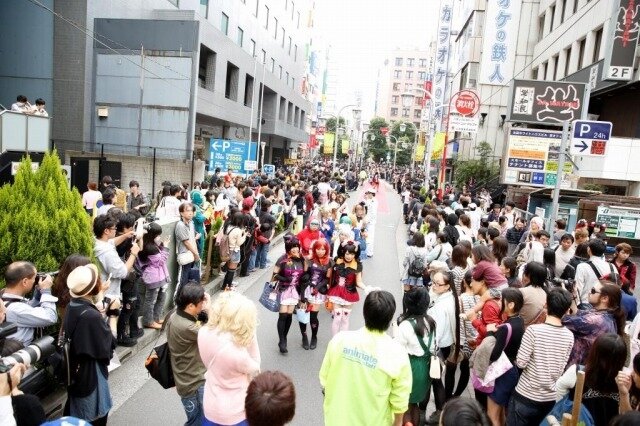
[622, 222]
[624, 28]
[548, 102]
[228, 154]
[441, 66]
[461, 123]
[532, 158]
[502, 18]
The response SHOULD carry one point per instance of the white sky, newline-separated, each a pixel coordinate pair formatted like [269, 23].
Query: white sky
[364, 32]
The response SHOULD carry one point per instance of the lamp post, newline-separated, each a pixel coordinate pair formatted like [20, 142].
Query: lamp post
[407, 99]
[335, 142]
[395, 153]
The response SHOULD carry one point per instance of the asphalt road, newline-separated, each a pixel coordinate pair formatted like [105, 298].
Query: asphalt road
[138, 400]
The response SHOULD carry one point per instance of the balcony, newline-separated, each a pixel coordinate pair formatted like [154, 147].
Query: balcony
[23, 132]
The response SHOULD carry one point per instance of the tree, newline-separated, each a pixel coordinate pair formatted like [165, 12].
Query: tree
[405, 138]
[378, 147]
[41, 219]
[481, 169]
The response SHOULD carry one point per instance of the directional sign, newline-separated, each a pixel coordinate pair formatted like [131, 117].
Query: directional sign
[590, 137]
[231, 154]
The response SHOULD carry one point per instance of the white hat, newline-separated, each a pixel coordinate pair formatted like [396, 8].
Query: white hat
[473, 206]
[82, 280]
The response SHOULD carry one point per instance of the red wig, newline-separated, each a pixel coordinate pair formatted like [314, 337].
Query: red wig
[316, 245]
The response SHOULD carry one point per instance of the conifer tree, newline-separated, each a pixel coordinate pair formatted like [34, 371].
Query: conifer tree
[41, 219]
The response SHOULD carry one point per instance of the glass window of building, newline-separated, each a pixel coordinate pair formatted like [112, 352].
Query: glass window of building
[398, 62]
[409, 75]
[275, 27]
[394, 99]
[240, 37]
[397, 73]
[423, 62]
[396, 87]
[204, 8]
[252, 46]
[273, 65]
[224, 24]
[266, 16]
[394, 111]
[410, 62]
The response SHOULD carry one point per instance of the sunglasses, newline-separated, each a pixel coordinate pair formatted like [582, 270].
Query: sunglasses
[594, 291]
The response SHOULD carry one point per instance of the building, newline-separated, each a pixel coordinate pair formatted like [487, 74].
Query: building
[402, 71]
[131, 80]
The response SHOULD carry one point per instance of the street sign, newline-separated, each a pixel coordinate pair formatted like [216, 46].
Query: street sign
[250, 165]
[622, 222]
[545, 102]
[621, 41]
[590, 137]
[231, 154]
[269, 169]
[466, 102]
[460, 123]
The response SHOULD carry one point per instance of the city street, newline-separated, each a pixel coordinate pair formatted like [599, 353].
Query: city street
[138, 400]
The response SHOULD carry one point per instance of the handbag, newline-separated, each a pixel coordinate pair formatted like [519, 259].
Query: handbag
[186, 258]
[435, 368]
[303, 316]
[496, 369]
[158, 363]
[270, 297]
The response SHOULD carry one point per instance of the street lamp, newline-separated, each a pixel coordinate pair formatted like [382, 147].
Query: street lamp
[395, 153]
[357, 112]
[407, 99]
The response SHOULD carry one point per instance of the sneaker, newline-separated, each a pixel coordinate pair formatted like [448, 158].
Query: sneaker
[135, 334]
[127, 341]
[251, 270]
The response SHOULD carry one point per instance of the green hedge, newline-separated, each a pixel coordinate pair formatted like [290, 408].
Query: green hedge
[41, 219]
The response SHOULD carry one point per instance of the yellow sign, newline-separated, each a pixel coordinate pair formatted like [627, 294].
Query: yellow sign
[419, 153]
[422, 139]
[290, 161]
[328, 143]
[345, 146]
[438, 145]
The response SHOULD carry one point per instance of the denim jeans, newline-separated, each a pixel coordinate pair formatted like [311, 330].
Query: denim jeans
[252, 260]
[523, 411]
[153, 304]
[193, 407]
[262, 251]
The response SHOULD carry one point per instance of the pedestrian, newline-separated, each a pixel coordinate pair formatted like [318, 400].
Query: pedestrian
[509, 268]
[270, 400]
[346, 278]
[186, 238]
[627, 270]
[152, 261]
[308, 235]
[91, 197]
[628, 383]
[371, 204]
[59, 288]
[228, 346]
[415, 333]
[91, 348]
[198, 221]
[542, 357]
[234, 229]
[137, 200]
[365, 374]
[463, 411]
[591, 271]
[319, 268]
[182, 338]
[534, 293]
[288, 272]
[414, 263]
[600, 395]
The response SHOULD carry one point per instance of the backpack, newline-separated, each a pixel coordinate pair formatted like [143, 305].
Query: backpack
[121, 199]
[222, 242]
[613, 276]
[417, 267]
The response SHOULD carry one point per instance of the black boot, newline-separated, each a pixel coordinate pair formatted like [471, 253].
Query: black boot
[314, 330]
[305, 341]
[227, 282]
[282, 343]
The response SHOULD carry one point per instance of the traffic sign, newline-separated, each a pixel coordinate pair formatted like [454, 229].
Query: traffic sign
[590, 137]
[466, 103]
[269, 169]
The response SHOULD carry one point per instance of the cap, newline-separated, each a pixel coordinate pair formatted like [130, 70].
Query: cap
[82, 280]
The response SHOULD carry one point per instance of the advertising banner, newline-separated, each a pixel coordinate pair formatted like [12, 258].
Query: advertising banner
[441, 65]
[231, 154]
[345, 146]
[328, 143]
[622, 40]
[548, 102]
[419, 157]
[622, 222]
[438, 144]
[499, 42]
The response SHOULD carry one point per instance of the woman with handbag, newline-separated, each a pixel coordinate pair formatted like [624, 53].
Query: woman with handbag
[288, 272]
[234, 229]
[415, 333]
[508, 337]
[319, 271]
[445, 310]
[228, 347]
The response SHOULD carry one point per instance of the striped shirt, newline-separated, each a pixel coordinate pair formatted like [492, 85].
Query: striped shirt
[543, 356]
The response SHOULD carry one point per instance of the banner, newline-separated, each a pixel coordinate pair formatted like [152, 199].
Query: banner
[419, 157]
[438, 144]
[328, 143]
[441, 65]
[345, 146]
[499, 42]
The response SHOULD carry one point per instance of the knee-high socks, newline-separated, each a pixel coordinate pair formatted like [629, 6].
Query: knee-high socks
[228, 278]
[284, 324]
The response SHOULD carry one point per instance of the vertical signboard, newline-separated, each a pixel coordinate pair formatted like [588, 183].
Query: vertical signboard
[622, 40]
[499, 42]
[548, 102]
[441, 67]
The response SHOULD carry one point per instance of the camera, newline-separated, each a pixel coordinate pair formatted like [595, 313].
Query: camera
[40, 276]
[567, 284]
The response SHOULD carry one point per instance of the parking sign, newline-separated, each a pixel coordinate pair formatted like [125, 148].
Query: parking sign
[590, 138]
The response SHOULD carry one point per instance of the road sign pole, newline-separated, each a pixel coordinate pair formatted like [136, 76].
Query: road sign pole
[561, 158]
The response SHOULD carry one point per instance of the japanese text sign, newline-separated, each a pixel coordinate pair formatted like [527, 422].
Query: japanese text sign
[441, 63]
[499, 42]
[624, 29]
[548, 102]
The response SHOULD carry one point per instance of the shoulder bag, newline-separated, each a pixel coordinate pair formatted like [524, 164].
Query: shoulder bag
[270, 297]
[158, 363]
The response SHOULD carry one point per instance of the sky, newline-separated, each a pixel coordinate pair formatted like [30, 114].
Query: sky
[363, 32]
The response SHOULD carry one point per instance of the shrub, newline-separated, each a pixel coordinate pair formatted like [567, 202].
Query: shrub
[41, 219]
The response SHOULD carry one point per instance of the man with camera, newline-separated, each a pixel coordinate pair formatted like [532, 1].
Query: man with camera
[22, 278]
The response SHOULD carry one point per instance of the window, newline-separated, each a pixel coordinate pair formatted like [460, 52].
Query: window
[240, 37]
[597, 42]
[283, 108]
[394, 112]
[410, 62]
[284, 36]
[273, 65]
[204, 8]
[289, 49]
[535, 73]
[564, 10]
[252, 46]
[581, 47]
[541, 27]
[567, 61]
[396, 73]
[293, 7]
[417, 113]
[396, 87]
[423, 62]
[394, 99]
[275, 27]
[405, 112]
[555, 67]
[417, 101]
[398, 62]
[575, 6]
[255, 13]
[280, 72]
[295, 52]
[409, 75]
[290, 113]
[224, 24]
[422, 75]
[293, 83]
[298, 24]
[287, 79]
[248, 90]
[551, 15]
[263, 59]
[207, 68]
[408, 87]
[266, 16]
[231, 83]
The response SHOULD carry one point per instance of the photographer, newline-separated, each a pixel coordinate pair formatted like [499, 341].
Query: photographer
[17, 408]
[28, 314]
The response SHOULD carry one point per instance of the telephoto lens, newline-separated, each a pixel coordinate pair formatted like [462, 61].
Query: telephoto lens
[41, 348]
